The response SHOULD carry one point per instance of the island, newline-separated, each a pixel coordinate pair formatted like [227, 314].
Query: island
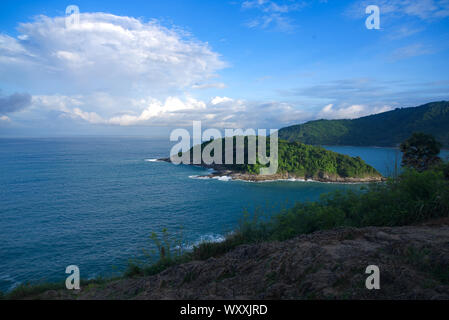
[296, 161]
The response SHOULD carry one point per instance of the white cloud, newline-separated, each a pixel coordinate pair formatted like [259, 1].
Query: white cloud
[274, 13]
[216, 85]
[106, 52]
[220, 112]
[350, 112]
[273, 6]
[218, 100]
[5, 118]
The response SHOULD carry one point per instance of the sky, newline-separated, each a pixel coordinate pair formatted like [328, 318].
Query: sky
[147, 67]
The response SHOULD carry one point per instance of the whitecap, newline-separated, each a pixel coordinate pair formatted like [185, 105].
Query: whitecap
[199, 177]
[208, 238]
[223, 178]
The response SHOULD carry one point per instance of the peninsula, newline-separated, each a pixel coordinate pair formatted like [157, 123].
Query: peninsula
[296, 161]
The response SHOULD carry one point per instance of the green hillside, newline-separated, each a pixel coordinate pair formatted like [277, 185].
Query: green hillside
[303, 160]
[386, 129]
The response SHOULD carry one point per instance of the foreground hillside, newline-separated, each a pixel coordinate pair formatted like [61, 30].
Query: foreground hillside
[385, 129]
[413, 262]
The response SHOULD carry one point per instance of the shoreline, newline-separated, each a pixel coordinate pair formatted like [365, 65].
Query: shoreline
[220, 172]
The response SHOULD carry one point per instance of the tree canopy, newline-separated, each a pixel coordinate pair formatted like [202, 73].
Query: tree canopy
[301, 160]
[386, 129]
[420, 151]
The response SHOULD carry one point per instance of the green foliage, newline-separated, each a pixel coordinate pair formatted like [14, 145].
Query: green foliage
[312, 162]
[413, 197]
[420, 151]
[296, 159]
[445, 169]
[384, 129]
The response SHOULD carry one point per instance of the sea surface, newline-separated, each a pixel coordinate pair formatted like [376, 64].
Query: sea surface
[93, 202]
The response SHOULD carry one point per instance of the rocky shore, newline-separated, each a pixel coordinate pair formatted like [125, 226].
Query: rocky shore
[219, 171]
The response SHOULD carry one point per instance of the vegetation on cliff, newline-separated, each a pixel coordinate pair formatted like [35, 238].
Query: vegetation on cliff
[384, 129]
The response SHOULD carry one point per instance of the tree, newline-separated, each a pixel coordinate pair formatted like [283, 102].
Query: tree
[420, 151]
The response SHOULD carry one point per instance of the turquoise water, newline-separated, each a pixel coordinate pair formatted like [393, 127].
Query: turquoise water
[93, 202]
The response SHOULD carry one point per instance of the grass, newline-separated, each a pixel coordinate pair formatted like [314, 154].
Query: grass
[31, 290]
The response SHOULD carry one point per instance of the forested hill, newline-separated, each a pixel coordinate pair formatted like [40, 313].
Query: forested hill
[301, 161]
[386, 129]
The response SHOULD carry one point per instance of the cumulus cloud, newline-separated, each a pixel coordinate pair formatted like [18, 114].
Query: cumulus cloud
[106, 52]
[220, 112]
[13, 103]
[112, 70]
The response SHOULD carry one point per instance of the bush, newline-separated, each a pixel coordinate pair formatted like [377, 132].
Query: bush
[412, 198]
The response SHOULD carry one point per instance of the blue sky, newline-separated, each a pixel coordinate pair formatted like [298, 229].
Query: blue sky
[145, 67]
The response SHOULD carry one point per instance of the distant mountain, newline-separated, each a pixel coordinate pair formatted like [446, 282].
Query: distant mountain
[386, 129]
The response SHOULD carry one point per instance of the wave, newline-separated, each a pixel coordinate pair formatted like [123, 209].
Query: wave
[208, 238]
[220, 178]
[223, 178]
[228, 178]
[152, 160]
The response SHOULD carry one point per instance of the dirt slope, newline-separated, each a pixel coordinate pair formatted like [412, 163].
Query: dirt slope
[413, 262]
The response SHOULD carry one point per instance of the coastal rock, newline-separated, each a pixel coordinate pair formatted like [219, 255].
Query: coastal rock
[222, 172]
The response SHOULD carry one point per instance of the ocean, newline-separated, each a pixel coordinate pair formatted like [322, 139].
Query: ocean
[93, 202]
